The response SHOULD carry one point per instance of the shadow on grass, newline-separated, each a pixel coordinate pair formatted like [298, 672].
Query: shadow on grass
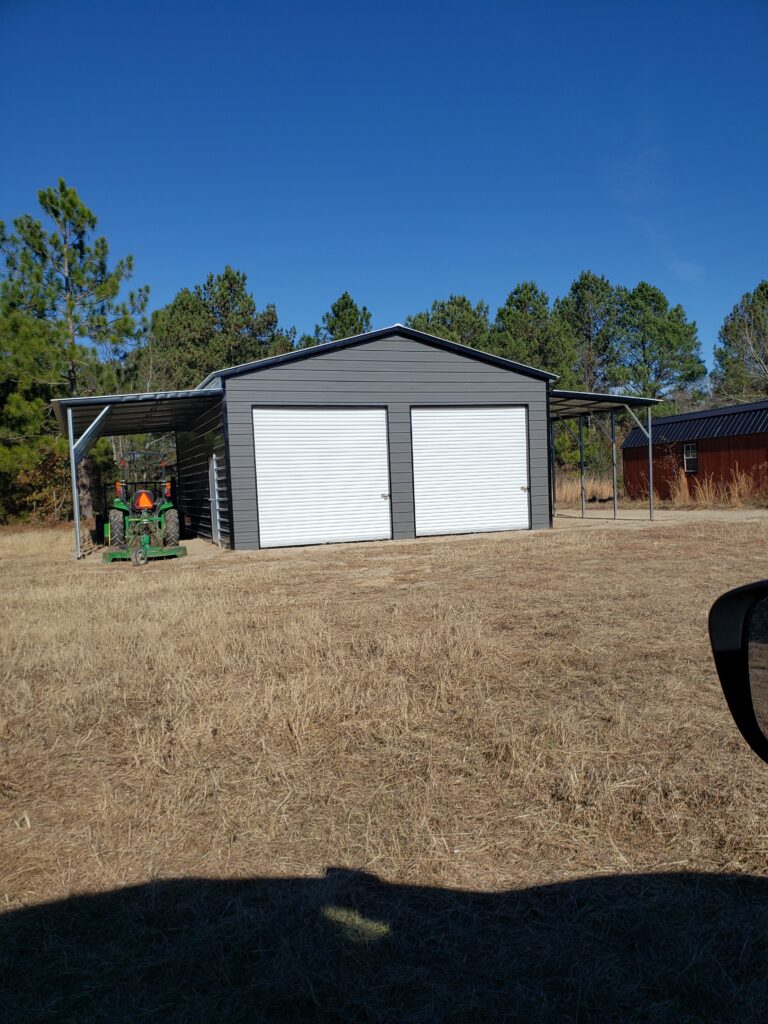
[348, 947]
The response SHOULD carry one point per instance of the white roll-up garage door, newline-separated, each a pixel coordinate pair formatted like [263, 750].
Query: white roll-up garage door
[470, 469]
[322, 475]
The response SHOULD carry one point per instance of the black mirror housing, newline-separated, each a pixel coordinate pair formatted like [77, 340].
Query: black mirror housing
[729, 633]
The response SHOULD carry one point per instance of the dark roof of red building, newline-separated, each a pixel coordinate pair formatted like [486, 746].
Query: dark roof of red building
[730, 421]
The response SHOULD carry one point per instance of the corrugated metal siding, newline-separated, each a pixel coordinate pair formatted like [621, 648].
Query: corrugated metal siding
[719, 458]
[193, 450]
[395, 372]
[668, 430]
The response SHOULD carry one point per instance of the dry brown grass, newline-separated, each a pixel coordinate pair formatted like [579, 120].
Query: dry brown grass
[742, 490]
[491, 714]
[568, 489]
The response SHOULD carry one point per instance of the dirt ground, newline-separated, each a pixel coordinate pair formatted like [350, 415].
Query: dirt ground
[472, 778]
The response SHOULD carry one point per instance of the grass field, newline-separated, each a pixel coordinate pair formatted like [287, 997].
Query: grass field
[511, 751]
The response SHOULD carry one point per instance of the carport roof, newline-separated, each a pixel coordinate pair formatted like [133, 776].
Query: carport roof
[148, 413]
[565, 405]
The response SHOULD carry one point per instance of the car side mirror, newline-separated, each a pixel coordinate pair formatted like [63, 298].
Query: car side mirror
[738, 629]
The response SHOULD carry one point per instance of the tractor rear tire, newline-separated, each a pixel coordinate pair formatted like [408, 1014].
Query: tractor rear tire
[172, 528]
[116, 528]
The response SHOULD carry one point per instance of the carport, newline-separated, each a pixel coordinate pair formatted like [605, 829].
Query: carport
[194, 417]
[567, 406]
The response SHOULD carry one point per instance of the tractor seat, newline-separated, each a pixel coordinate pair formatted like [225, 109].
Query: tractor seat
[143, 501]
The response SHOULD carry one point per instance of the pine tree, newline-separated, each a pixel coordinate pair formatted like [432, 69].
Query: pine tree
[659, 348]
[205, 328]
[525, 330]
[455, 319]
[589, 319]
[63, 276]
[345, 319]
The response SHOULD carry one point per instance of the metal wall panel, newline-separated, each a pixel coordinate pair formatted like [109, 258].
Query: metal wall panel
[387, 372]
[194, 448]
[470, 469]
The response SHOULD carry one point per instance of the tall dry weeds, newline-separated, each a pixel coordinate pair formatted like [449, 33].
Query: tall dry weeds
[740, 490]
[679, 494]
[568, 489]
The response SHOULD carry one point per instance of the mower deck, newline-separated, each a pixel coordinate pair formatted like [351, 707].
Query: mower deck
[124, 554]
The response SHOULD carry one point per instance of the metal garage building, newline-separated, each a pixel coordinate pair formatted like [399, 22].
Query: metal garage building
[390, 434]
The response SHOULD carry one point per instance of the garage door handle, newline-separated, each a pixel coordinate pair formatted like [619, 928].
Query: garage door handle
[525, 488]
[385, 496]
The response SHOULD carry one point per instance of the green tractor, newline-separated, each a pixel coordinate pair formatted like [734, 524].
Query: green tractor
[140, 526]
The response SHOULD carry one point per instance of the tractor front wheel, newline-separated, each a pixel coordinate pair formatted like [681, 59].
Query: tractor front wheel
[172, 528]
[116, 528]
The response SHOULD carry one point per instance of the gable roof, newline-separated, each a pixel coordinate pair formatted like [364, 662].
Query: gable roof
[729, 421]
[361, 339]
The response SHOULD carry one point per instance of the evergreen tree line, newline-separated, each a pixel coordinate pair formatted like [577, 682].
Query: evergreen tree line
[70, 324]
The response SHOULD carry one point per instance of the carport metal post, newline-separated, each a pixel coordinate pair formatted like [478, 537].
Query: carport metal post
[75, 490]
[581, 468]
[650, 464]
[613, 465]
[648, 431]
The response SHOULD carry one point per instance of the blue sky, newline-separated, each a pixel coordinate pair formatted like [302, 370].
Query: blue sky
[401, 151]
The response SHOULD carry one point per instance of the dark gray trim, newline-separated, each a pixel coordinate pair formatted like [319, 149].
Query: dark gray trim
[362, 339]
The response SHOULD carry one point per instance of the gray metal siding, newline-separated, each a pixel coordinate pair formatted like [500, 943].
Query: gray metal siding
[395, 372]
[193, 449]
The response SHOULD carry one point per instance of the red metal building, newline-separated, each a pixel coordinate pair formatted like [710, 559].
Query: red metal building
[710, 446]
